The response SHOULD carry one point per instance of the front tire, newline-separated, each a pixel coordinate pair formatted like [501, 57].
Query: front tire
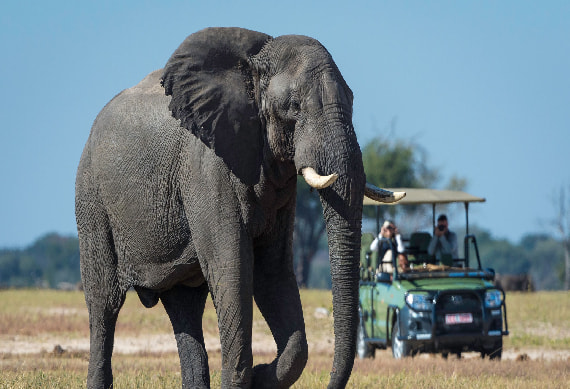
[364, 349]
[495, 352]
[400, 348]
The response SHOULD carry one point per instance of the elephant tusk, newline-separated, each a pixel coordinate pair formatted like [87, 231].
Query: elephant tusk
[382, 195]
[315, 180]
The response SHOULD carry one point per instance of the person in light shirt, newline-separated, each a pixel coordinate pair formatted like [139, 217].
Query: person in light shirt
[388, 237]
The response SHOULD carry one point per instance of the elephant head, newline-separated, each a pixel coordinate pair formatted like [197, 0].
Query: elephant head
[281, 105]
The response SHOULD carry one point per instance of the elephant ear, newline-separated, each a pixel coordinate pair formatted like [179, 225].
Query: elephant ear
[210, 80]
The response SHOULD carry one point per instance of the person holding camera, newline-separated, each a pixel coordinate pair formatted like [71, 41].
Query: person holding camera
[443, 241]
[388, 238]
[389, 235]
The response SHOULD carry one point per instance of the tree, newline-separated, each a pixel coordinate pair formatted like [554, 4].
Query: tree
[562, 224]
[50, 260]
[309, 230]
[538, 255]
[547, 264]
[395, 163]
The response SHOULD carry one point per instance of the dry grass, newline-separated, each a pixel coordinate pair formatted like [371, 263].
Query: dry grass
[162, 371]
[538, 322]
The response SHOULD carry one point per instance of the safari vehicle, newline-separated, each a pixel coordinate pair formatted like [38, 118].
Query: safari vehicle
[432, 307]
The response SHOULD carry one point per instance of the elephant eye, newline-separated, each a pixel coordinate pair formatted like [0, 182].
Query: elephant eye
[295, 106]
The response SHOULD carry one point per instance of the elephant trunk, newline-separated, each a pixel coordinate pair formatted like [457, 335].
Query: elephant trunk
[342, 212]
[330, 148]
[343, 219]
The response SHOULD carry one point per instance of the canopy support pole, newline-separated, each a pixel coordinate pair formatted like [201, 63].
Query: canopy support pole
[466, 218]
[377, 220]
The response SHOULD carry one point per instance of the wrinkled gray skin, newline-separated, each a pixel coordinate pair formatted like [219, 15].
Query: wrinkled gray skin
[190, 188]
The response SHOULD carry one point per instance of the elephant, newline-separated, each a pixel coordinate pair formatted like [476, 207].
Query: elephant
[515, 282]
[187, 187]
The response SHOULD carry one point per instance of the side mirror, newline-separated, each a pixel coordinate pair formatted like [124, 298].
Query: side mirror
[491, 273]
[384, 277]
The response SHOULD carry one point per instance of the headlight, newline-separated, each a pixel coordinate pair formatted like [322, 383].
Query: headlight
[419, 302]
[492, 299]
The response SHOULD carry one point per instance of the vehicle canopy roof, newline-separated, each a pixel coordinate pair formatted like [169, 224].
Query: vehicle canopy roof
[417, 196]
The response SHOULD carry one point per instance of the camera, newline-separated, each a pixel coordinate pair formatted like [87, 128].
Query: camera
[441, 228]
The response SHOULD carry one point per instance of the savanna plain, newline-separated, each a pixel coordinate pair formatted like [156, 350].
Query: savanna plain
[44, 342]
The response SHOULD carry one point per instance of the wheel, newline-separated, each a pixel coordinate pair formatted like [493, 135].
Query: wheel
[400, 348]
[363, 349]
[495, 352]
[445, 354]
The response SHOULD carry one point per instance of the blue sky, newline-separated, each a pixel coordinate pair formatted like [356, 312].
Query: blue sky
[483, 86]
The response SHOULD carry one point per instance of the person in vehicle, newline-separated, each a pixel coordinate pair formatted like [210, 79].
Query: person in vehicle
[388, 238]
[403, 264]
[389, 235]
[443, 241]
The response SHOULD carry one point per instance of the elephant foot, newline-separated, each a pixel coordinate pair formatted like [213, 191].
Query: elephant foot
[264, 376]
[285, 369]
[99, 381]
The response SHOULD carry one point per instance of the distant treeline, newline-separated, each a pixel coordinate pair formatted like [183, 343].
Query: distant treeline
[53, 262]
[50, 262]
[538, 255]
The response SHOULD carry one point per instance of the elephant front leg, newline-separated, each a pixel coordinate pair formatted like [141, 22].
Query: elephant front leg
[185, 307]
[230, 283]
[224, 249]
[277, 297]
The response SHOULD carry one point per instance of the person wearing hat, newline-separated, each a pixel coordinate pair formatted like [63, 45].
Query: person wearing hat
[443, 241]
[388, 237]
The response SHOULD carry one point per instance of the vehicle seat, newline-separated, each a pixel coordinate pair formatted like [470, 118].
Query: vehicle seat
[368, 259]
[446, 259]
[419, 242]
[459, 262]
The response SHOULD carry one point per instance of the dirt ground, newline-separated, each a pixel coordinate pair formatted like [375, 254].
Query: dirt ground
[163, 343]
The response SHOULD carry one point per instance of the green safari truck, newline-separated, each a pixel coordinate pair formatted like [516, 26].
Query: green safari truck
[446, 306]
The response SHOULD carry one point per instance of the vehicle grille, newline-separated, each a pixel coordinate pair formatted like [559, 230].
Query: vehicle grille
[458, 303]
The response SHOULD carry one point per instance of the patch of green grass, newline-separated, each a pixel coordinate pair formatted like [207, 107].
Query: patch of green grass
[40, 379]
[538, 319]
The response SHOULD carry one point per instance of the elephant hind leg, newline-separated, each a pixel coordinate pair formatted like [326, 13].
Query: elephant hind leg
[102, 321]
[104, 294]
[185, 307]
